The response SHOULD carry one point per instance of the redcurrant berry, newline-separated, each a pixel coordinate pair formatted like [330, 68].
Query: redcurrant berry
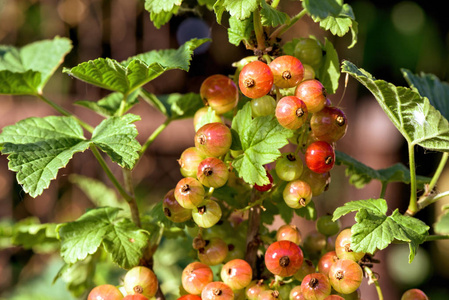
[237, 274]
[414, 294]
[291, 112]
[313, 93]
[345, 276]
[220, 93]
[269, 295]
[135, 297]
[326, 261]
[213, 139]
[307, 268]
[189, 192]
[198, 118]
[309, 51]
[315, 286]
[208, 214]
[212, 172]
[289, 233]
[263, 106]
[329, 124]
[255, 79]
[189, 297]
[253, 290]
[288, 71]
[289, 167]
[189, 161]
[283, 258]
[214, 252]
[297, 194]
[265, 187]
[105, 292]
[195, 277]
[140, 280]
[320, 157]
[217, 290]
[173, 211]
[318, 182]
[295, 293]
[343, 246]
[326, 226]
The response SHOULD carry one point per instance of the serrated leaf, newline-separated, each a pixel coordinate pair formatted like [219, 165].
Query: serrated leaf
[271, 16]
[111, 75]
[329, 71]
[117, 137]
[34, 235]
[78, 276]
[240, 30]
[38, 147]
[170, 58]
[430, 86]
[97, 191]
[322, 8]
[119, 236]
[110, 105]
[174, 106]
[158, 6]
[374, 206]
[360, 174]
[261, 141]
[418, 121]
[240, 9]
[42, 57]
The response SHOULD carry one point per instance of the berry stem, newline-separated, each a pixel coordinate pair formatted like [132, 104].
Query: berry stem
[373, 279]
[413, 204]
[258, 29]
[135, 215]
[153, 136]
[65, 112]
[436, 237]
[283, 28]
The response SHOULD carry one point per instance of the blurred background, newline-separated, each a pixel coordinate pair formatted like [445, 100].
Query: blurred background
[392, 35]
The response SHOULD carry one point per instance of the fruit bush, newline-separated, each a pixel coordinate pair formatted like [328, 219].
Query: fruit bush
[264, 148]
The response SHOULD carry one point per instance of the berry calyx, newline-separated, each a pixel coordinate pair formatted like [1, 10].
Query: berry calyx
[255, 79]
[315, 286]
[217, 290]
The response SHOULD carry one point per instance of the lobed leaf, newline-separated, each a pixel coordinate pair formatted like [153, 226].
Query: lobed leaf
[442, 225]
[240, 30]
[240, 9]
[111, 104]
[271, 16]
[418, 121]
[329, 71]
[430, 86]
[261, 138]
[117, 137]
[374, 206]
[26, 70]
[38, 147]
[102, 226]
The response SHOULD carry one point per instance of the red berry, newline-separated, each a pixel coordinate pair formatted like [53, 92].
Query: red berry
[329, 124]
[208, 214]
[320, 157]
[345, 276]
[140, 280]
[189, 161]
[173, 211]
[105, 292]
[315, 286]
[214, 252]
[343, 246]
[189, 297]
[334, 297]
[255, 79]
[189, 193]
[213, 139]
[237, 274]
[217, 290]
[288, 71]
[253, 290]
[283, 258]
[295, 293]
[318, 182]
[269, 295]
[289, 233]
[414, 294]
[212, 172]
[135, 297]
[265, 187]
[291, 112]
[326, 261]
[297, 194]
[195, 277]
[313, 94]
[219, 92]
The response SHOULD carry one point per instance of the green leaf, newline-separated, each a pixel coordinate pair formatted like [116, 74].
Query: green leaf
[31, 234]
[97, 192]
[322, 8]
[117, 137]
[418, 121]
[360, 174]
[240, 9]
[162, 11]
[42, 57]
[329, 71]
[430, 86]
[78, 276]
[102, 227]
[170, 58]
[38, 147]
[442, 225]
[209, 117]
[110, 105]
[175, 106]
[261, 138]
[111, 75]
[240, 30]
[374, 230]
[271, 16]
